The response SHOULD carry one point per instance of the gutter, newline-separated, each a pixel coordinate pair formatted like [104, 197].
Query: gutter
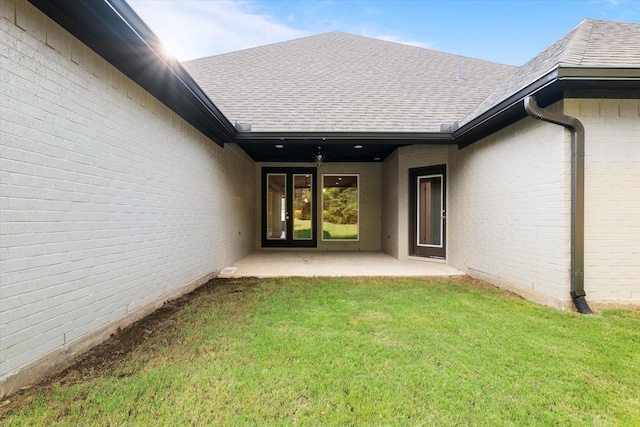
[577, 195]
[179, 73]
[473, 130]
[113, 30]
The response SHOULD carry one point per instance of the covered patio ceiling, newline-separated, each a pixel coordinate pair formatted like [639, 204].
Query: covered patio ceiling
[285, 147]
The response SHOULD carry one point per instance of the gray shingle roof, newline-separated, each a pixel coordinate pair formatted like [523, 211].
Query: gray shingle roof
[337, 82]
[590, 44]
[342, 82]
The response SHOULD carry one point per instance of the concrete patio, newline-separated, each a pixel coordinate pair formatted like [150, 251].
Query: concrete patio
[279, 263]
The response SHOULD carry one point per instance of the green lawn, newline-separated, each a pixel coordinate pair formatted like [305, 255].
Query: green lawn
[302, 230]
[340, 231]
[362, 351]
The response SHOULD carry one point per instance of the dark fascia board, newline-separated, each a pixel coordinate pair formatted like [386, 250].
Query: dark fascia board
[598, 73]
[114, 31]
[399, 138]
[548, 89]
[493, 119]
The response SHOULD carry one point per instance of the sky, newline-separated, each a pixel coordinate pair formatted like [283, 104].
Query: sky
[505, 31]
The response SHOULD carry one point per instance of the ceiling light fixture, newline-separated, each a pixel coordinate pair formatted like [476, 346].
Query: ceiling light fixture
[357, 147]
[319, 158]
[279, 146]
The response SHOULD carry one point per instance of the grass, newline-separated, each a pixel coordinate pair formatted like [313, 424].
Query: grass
[356, 351]
[302, 230]
[340, 231]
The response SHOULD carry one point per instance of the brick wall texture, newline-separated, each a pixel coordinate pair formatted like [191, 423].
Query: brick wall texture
[508, 204]
[612, 196]
[109, 201]
[510, 207]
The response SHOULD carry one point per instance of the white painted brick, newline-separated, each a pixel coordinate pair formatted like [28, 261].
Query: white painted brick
[509, 195]
[612, 197]
[106, 205]
[37, 346]
[516, 181]
[508, 204]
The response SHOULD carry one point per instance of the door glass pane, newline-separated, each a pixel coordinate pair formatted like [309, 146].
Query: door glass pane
[430, 210]
[340, 207]
[302, 211]
[276, 206]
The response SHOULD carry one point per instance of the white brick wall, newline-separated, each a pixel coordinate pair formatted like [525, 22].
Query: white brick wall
[508, 204]
[612, 197]
[509, 209]
[408, 157]
[109, 201]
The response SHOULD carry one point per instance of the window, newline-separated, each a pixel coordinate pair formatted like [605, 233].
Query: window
[340, 205]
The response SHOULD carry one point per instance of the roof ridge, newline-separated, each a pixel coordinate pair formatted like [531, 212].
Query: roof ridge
[535, 68]
[578, 44]
[586, 44]
[354, 36]
[265, 45]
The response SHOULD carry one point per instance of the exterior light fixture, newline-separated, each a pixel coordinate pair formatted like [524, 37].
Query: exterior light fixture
[357, 147]
[319, 158]
[279, 146]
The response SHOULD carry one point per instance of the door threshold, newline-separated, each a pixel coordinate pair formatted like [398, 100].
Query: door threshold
[427, 259]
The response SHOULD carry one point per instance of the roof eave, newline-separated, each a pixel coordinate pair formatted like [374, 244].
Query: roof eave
[548, 89]
[113, 30]
[622, 73]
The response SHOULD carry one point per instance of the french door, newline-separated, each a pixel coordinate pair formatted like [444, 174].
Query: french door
[427, 212]
[289, 207]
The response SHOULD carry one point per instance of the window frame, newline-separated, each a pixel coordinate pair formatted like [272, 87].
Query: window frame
[322, 202]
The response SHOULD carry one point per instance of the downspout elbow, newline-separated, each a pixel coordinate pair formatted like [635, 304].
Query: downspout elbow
[577, 195]
[575, 126]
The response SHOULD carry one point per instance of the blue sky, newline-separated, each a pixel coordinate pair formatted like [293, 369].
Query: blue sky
[510, 32]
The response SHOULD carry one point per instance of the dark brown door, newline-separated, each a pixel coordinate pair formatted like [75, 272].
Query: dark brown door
[289, 207]
[427, 214]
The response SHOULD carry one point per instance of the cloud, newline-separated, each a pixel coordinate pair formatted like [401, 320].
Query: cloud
[372, 31]
[398, 39]
[194, 29]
